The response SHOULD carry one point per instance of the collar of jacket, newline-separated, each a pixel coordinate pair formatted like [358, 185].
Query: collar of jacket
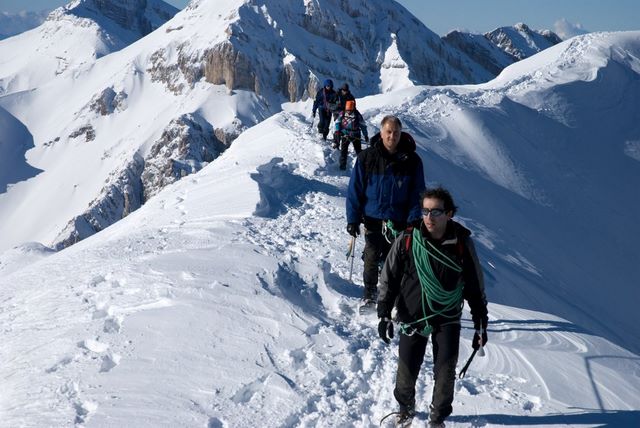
[453, 232]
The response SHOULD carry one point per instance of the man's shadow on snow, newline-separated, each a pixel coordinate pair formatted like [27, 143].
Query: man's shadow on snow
[281, 190]
[611, 419]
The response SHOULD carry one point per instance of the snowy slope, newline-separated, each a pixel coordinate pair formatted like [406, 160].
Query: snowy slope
[224, 300]
[73, 36]
[213, 70]
[193, 312]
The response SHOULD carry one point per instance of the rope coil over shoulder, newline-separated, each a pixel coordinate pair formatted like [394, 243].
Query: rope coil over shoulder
[432, 291]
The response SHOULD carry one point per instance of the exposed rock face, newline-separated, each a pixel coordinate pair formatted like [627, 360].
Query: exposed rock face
[224, 65]
[121, 196]
[88, 132]
[520, 41]
[501, 47]
[185, 147]
[138, 16]
[108, 101]
[480, 50]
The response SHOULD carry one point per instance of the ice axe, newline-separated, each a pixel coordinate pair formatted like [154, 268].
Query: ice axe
[479, 351]
[351, 253]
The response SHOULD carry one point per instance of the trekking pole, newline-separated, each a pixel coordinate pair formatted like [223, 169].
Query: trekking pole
[311, 126]
[351, 253]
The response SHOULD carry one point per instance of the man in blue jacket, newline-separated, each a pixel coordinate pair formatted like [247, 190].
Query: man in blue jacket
[384, 191]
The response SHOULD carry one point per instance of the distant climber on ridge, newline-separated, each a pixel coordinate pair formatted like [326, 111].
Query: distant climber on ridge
[326, 102]
[344, 95]
[348, 129]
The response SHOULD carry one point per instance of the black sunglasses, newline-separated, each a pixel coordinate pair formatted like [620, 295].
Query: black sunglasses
[435, 212]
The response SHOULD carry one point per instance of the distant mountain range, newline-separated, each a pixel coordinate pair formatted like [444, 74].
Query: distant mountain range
[503, 46]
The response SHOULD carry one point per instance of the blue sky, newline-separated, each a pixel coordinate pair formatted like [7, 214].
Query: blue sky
[477, 16]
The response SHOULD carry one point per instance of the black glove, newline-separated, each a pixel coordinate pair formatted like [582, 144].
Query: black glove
[353, 229]
[385, 330]
[366, 139]
[477, 337]
[314, 113]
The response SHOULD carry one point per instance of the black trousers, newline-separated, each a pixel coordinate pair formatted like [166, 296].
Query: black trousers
[324, 120]
[344, 149]
[445, 342]
[376, 249]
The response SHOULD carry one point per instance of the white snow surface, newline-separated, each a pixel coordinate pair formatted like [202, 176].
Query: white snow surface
[224, 301]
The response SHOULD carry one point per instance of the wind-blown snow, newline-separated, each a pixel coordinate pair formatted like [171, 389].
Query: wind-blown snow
[224, 300]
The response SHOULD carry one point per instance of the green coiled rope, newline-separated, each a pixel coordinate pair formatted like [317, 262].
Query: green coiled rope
[432, 292]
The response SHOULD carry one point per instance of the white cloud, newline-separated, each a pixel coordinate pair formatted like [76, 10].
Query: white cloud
[566, 29]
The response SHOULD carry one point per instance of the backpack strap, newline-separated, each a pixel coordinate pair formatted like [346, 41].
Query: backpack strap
[407, 238]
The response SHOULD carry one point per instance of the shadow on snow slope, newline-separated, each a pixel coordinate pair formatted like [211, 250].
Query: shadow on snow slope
[15, 141]
[610, 419]
[280, 189]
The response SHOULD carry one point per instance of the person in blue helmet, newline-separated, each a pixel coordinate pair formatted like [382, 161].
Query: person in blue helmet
[326, 103]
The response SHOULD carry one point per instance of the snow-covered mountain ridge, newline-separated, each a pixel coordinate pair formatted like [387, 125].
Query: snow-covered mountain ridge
[503, 46]
[243, 57]
[73, 37]
[223, 301]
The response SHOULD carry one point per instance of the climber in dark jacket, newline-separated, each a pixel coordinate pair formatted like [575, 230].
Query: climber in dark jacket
[384, 191]
[326, 103]
[429, 272]
[344, 95]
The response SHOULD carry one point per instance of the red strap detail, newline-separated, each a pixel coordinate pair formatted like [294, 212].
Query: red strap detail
[407, 239]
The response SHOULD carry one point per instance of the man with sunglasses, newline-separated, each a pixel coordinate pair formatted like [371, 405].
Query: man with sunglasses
[429, 272]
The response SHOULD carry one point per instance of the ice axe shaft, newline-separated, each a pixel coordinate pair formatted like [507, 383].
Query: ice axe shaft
[351, 253]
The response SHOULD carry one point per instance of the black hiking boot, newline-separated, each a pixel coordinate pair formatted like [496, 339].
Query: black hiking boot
[405, 416]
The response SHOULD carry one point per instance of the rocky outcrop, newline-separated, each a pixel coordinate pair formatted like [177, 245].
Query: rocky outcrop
[480, 50]
[121, 196]
[225, 65]
[108, 101]
[138, 16]
[520, 41]
[86, 130]
[186, 146]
